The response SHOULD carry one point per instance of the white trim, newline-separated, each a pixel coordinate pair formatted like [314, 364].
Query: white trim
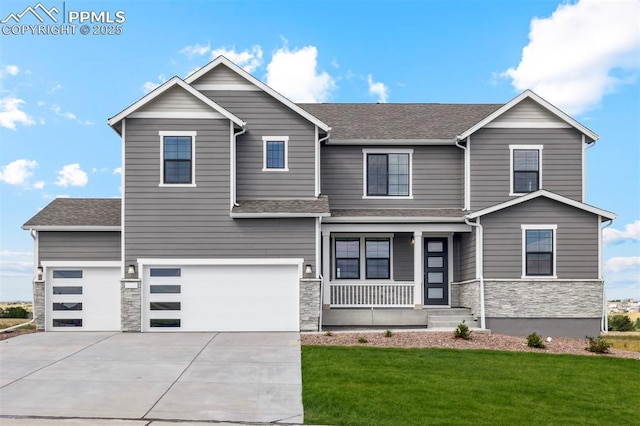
[170, 133]
[143, 262]
[511, 171]
[177, 114]
[584, 169]
[554, 232]
[316, 153]
[528, 94]
[276, 215]
[318, 258]
[556, 280]
[418, 268]
[122, 196]
[80, 264]
[265, 141]
[546, 194]
[357, 228]
[467, 175]
[227, 86]
[527, 125]
[479, 250]
[395, 219]
[163, 88]
[391, 142]
[599, 248]
[74, 228]
[251, 79]
[365, 152]
[326, 268]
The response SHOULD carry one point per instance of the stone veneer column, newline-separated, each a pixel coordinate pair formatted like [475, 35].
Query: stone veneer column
[130, 313]
[309, 304]
[39, 307]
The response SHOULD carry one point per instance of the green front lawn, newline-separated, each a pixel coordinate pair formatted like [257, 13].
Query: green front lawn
[388, 386]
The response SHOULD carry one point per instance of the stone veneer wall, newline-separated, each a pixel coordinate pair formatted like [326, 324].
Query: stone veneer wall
[39, 307]
[131, 315]
[466, 295]
[543, 299]
[309, 304]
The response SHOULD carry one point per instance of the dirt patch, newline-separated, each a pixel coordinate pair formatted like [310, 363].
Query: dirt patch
[431, 339]
[13, 333]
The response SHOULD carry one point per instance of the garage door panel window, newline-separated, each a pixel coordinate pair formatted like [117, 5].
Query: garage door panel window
[164, 323]
[164, 289]
[57, 273]
[164, 306]
[67, 290]
[165, 272]
[69, 306]
[67, 322]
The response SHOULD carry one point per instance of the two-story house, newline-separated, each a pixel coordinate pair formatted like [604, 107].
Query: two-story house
[243, 211]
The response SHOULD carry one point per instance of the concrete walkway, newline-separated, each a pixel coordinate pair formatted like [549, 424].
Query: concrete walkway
[232, 377]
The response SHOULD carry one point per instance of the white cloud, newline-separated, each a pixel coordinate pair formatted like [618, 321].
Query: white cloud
[631, 233]
[248, 60]
[11, 114]
[9, 253]
[11, 70]
[69, 115]
[294, 74]
[618, 264]
[18, 172]
[55, 88]
[580, 53]
[150, 86]
[117, 171]
[39, 184]
[377, 89]
[71, 174]
[196, 49]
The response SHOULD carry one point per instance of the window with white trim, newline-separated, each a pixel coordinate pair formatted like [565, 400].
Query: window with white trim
[348, 261]
[526, 168]
[177, 166]
[539, 251]
[275, 153]
[387, 173]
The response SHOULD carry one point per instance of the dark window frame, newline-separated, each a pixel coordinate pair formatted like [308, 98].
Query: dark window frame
[270, 153]
[384, 178]
[166, 179]
[372, 259]
[534, 253]
[525, 171]
[337, 259]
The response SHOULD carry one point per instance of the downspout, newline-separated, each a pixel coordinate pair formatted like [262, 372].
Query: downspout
[480, 267]
[319, 269]
[233, 163]
[34, 235]
[318, 162]
[604, 323]
[465, 177]
[584, 167]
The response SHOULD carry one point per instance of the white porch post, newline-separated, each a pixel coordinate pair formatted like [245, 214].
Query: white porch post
[326, 269]
[417, 269]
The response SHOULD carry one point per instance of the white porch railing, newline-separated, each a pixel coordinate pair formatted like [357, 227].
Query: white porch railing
[371, 295]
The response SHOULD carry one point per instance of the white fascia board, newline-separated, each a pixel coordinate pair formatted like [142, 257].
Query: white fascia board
[391, 142]
[425, 228]
[543, 193]
[72, 228]
[81, 264]
[394, 219]
[275, 215]
[225, 262]
[224, 61]
[175, 81]
[528, 94]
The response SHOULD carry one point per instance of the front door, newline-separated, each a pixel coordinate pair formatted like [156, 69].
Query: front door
[436, 271]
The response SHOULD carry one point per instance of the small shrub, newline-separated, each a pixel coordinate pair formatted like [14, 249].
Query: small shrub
[535, 341]
[597, 345]
[15, 312]
[620, 323]
[637, 324]
[462, 331]
[328, 333]
[388, 333]
[362, 339]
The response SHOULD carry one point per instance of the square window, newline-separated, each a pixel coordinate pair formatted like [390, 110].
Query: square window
[387, 174]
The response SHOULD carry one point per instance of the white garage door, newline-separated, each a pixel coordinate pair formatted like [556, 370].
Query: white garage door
[221, 298]
[83, 298]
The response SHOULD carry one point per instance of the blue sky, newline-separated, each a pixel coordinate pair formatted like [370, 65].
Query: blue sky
[57, 91]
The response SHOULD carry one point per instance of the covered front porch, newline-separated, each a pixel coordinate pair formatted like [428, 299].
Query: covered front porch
[393, 274]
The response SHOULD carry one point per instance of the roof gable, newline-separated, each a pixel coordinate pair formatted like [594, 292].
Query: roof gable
[202, 75]
[546, 194]
[178, 90]
[512, 104]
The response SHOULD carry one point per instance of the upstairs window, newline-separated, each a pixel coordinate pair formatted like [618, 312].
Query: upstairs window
[178, 166]
[539, 250]
[525, 168]
[275, 153]
[387, 174]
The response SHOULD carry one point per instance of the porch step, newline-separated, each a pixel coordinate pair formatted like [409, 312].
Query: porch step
[446, 318]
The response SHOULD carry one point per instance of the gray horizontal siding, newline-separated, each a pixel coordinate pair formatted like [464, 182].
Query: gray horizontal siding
[490, 162]
[266, 116]
[194, 222]
[576, 236]
[437, 178]
[402, 257]
[221, 75]
[80, 246]
[464, 245]
[177, 99]
[528, 111]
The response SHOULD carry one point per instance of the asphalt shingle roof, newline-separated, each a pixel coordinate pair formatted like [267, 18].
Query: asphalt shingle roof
[399, 121]
[304, 206]
[78, 212]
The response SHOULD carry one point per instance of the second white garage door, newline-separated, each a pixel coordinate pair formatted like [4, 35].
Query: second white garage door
[221, 298]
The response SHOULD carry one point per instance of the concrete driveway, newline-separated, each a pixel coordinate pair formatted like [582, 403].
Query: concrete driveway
[239, 377]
